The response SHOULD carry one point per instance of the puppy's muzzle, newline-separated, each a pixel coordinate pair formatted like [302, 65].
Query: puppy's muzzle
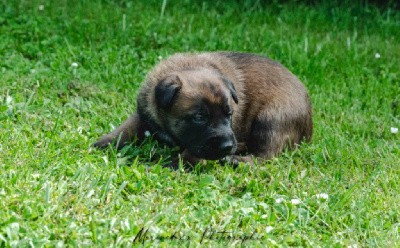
[222, 145]
[226, 147]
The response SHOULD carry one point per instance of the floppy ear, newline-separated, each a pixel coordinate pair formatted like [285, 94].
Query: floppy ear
[166, 91]
[228, 83]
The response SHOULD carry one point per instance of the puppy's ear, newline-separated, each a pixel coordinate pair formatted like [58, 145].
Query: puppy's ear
[167, 90]
[228, 83]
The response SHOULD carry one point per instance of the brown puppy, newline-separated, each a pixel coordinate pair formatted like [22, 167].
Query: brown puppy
[217, 105]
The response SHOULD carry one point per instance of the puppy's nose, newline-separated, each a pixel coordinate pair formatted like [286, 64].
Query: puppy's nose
[226, 147]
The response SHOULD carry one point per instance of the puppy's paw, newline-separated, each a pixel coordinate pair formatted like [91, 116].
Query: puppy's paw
[234, 160]
[231, 160]
[173, 165]
[176, 163]
[103, 142]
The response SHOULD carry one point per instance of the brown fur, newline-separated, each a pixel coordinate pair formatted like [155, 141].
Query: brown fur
[273, 109]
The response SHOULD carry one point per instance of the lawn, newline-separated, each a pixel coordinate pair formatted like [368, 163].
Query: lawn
[70, 72]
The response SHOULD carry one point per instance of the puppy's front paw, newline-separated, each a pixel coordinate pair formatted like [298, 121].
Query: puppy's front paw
[234, 160]
[174, 164]
[103, 142]
[231, 160]
[188, 160]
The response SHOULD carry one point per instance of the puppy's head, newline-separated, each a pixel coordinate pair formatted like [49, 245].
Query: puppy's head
[196, 107]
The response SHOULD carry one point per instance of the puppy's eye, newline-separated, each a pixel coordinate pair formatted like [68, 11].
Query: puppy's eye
[229, 115]
[228, 111]
[199, 117]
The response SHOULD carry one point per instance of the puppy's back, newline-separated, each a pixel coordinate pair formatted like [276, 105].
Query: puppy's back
[271, 88]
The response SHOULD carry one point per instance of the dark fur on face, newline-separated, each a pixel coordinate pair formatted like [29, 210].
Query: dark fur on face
[199, 119]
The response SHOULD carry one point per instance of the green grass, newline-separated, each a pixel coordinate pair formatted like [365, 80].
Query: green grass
[55, 190]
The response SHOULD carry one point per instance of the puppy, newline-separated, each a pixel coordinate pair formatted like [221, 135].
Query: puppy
[219, 105]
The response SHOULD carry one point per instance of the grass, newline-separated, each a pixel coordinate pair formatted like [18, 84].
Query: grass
[55, 190]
